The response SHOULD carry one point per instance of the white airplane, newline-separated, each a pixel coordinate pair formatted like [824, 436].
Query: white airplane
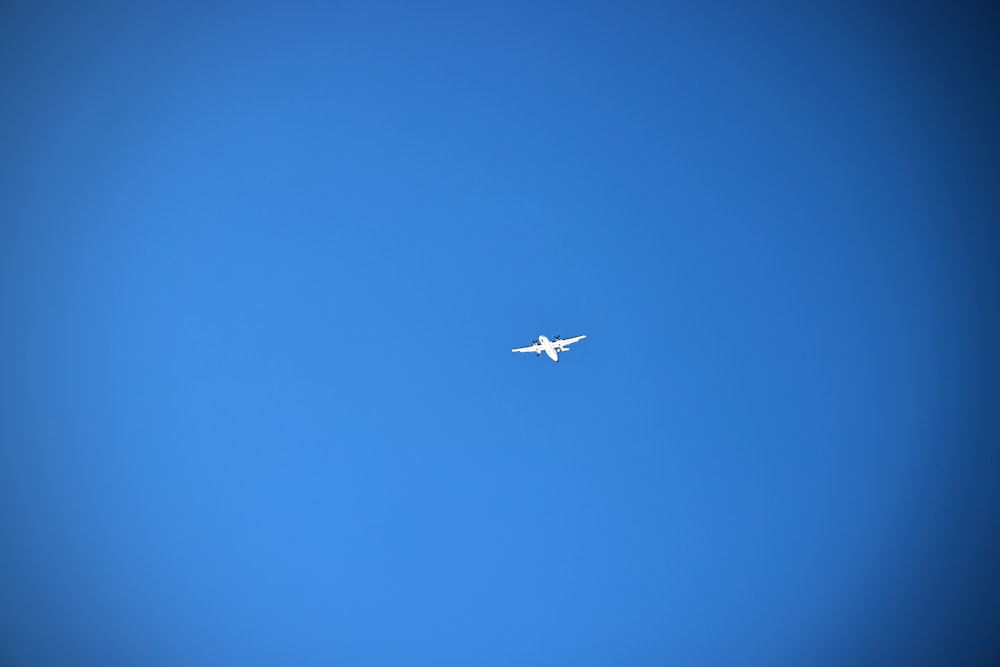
[550, 347]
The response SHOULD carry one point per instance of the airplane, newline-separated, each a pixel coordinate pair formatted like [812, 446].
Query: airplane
[550, 347]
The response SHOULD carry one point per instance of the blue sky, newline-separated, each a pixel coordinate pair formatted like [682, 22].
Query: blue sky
[261, 269]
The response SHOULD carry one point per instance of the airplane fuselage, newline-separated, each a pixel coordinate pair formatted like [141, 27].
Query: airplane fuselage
[548, 348]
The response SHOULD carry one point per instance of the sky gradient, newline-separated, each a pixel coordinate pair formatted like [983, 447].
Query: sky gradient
[261, 269]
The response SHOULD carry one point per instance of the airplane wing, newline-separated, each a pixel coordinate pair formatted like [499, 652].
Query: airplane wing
[564, 342]
[531, 348]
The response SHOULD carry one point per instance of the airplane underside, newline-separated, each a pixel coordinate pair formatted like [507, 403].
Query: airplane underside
[551, 348]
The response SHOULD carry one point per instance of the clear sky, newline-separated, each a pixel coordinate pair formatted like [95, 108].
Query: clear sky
[261, 269]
